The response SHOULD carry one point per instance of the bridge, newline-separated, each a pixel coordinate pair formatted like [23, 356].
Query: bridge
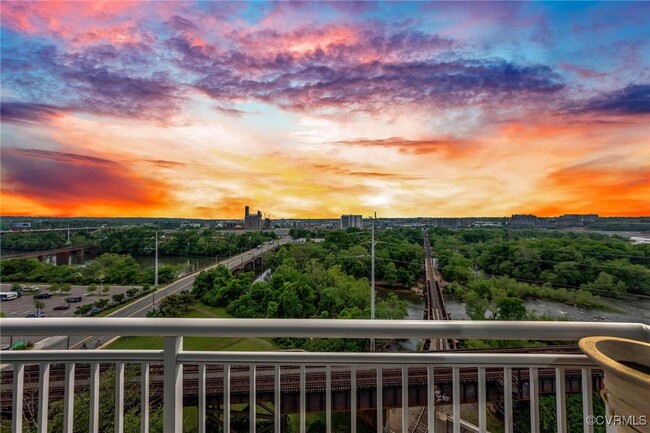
[273, 384]
[63, 255]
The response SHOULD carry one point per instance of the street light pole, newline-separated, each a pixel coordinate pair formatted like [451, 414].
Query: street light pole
[372, 281]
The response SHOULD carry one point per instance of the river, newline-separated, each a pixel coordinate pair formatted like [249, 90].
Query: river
[188, 264]
[631, 309]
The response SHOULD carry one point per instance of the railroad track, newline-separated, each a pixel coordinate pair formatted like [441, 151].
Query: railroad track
[436, 308]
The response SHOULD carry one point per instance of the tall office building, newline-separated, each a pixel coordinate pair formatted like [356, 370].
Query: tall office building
[348, 221]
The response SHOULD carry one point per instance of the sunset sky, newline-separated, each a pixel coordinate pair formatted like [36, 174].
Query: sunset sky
[317, 109]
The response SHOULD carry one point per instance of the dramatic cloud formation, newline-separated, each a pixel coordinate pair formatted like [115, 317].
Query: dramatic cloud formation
[77, 183]
[317, 109]
[633, 99]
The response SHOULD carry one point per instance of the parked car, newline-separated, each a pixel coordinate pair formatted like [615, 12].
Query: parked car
[62, 307]
[42, 296]
[35, 315]
[8, 296]
[94, 311]
[73, 299]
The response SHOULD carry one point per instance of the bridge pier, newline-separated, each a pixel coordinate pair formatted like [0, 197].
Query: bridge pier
[63, 258]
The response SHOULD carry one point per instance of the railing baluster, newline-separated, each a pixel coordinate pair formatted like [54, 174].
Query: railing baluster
[431, 399]
[456, 398]
[172, 386]
[201, 403]
[303, 404]
[353, 399]
[144, 397]
[17, 413]
[507, 398]
[277, 413]
[328, 399]
[43, 397]
[533, 390]
[380, 400]
[560, 394]
[226, 398]
[482, 401]
[93, 426]
[587, 396]
[252, 400]
[68, 400]
[119, 397]
[405, 399]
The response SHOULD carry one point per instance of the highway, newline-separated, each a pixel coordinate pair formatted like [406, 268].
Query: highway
[139, 307]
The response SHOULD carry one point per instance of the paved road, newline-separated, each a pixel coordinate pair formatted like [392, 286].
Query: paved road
[139, 307]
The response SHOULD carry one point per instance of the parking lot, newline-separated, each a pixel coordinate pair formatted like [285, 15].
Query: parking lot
[24, 305]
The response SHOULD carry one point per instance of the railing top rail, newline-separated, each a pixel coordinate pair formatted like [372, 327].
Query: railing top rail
[317, 328]
[309, 358]
[82, 356]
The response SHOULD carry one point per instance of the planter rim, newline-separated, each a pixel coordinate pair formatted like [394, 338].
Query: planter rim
[588, 345]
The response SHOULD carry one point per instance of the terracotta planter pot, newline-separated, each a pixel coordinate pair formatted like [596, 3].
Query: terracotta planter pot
[627, 379]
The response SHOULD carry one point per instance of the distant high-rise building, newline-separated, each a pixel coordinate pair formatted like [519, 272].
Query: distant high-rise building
[252, 221]
[348, 221]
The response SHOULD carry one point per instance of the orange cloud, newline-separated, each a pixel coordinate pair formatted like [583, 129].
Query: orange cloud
[71, 184]
[598, 190]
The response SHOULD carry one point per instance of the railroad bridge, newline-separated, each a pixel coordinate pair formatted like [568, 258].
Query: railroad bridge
[435, 307]
[316, 380]
[63, 255]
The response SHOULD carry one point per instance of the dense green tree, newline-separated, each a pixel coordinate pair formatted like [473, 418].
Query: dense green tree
[605, 284]
[207, 280]
[390, 274]
[39, 305]
[563, 259]
[65, 288]
[511, 309]
[391, 309]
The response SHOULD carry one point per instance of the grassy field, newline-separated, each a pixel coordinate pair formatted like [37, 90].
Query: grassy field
[199, 311]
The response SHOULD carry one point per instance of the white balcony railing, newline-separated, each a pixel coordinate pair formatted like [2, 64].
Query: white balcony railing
[303, 366]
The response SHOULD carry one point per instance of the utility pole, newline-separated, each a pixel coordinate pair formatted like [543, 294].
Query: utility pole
[68, 234]
[372, 281]
[155, 283]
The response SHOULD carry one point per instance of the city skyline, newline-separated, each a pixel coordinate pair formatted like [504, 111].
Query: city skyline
[315, 110]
